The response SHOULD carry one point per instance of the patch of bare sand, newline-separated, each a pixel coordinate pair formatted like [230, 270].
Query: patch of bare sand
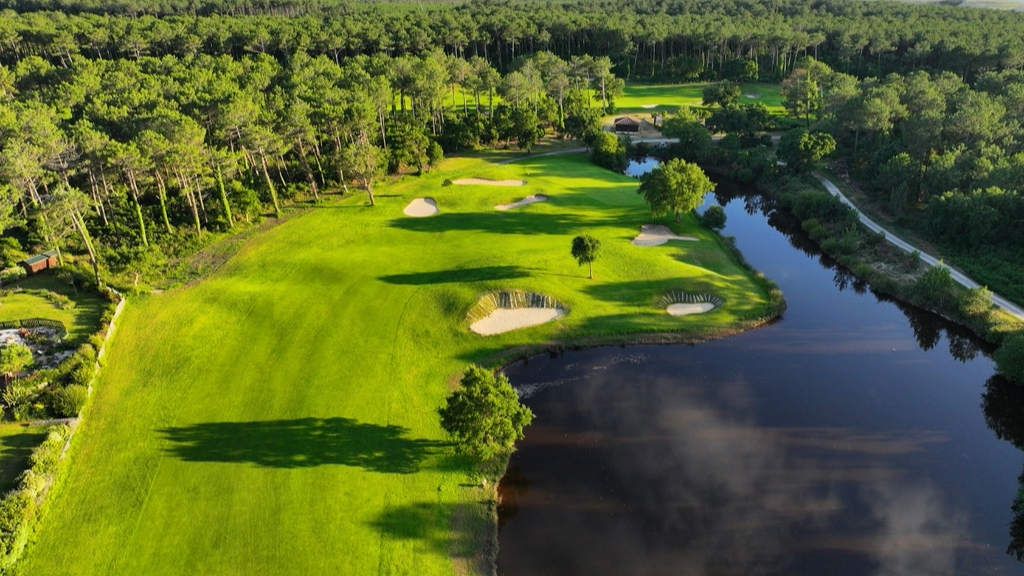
[752, 96]
[421, 208]
[525, 201]
[507, 319]
[483, 182]
[690, 308]
[656, 235]
[649, 106]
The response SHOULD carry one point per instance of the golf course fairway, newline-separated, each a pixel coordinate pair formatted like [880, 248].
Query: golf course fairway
[279, 417]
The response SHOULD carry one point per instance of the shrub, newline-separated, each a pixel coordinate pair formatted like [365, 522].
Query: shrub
[935, 286]
[976, 302]
[713, 218]
[1010, 358]
[60, 300]
[12, 274]
[447, 182]
[68, 402]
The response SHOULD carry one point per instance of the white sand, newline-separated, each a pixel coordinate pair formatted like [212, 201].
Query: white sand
[752, 96]
[421, 208]
[690, 308]
[656, 235]
[508, 319]
[525, 201]
[649, 106]
[482, 182]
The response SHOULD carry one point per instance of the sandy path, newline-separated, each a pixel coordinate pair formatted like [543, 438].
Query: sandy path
[656, 235]
[482, 182]
[690, 308]
[525, 201]
[508, 319]
[421, 208]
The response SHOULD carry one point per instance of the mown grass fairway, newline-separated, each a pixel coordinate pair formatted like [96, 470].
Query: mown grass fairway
[280, 417]
[650, 98]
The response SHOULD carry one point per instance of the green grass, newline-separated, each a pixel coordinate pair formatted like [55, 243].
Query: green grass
[650, 98]
[81, 322]
[280, 416]
[16, 445]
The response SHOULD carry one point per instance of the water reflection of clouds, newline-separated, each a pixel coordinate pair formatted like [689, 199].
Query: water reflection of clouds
[703, 489]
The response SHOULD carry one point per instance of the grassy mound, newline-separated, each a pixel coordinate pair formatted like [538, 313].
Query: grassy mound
[280, 416]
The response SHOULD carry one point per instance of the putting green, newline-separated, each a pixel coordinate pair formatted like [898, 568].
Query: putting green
[280, 416]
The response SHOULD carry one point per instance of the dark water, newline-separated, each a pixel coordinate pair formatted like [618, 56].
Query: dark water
[854, 437]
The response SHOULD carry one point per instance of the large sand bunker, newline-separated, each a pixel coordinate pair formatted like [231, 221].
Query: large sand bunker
[687, 309]
[656, 235]
[500, 312]
[681, 303]
[508, 319]
[482, 182]
[525, 201]
[421, 208]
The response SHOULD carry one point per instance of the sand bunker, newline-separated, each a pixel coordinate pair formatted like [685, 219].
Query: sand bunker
[507, 319]
[482, 182]
[656, 235]
[752, 96]
[525, 201]
[421, 208]
[649, 106]
[689, 308]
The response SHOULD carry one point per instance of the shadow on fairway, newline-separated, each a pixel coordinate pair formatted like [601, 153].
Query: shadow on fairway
[308, 442]
[501, 223]
[480, 274]
[431, 524]
[16, 450]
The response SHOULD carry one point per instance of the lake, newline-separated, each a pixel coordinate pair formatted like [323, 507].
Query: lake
[855, 436]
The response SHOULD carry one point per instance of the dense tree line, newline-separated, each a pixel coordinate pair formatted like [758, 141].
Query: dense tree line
[653, 39]
[131, 161]
[945, 156]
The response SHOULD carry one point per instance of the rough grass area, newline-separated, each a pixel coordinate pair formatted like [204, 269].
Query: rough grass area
[81, 322]
[280, 416]
[651, 98]
[16, 445]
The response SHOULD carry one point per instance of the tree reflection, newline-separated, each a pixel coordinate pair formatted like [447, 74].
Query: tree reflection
[1003, 404]
[514, 485]
[928, 328]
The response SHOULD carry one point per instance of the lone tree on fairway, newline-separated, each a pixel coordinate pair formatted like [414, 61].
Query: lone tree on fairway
[484, 415]
[676, 187]
[585, 249]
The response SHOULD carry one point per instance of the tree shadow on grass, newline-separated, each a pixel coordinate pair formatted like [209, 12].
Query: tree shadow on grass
[17, 450]
[480, 274]
[443, 528]
[308, 442]
[502, 223]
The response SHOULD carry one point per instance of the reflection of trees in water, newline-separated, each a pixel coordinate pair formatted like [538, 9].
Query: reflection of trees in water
[928, 328]
[514, 485]
[1003, 404]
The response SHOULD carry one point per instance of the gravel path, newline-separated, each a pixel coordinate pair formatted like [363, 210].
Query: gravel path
[958, 276]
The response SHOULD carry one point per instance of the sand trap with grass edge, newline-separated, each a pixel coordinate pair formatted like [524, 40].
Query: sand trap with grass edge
[482, 182]
[689, 308]
[503, 320]
[649, 106]
[656, 235]
[524, 202]
[421, 208]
